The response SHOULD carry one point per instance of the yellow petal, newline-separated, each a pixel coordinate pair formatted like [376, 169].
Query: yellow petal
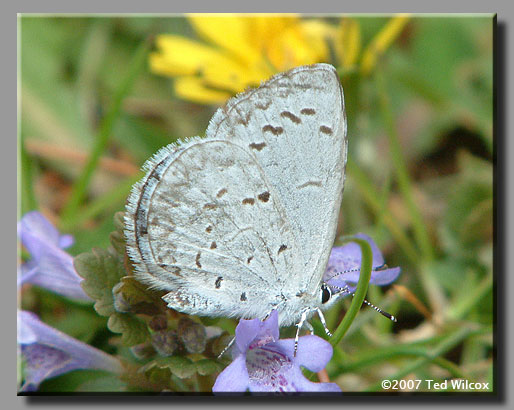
[229, 31]
[265, 28]
[234, 78]
[180, 56]
[348, 42]
[382, 41]
[193, 89]
[299, 43]
[318, 33]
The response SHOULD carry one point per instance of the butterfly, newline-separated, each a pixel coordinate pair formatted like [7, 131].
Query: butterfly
[242, 221]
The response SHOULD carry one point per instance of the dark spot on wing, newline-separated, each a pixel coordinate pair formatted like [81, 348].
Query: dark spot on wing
[282, 248]
[209, 205]
[243, 297]
[264, 197]
[221, 192]
[249, 259]
[272, 129]
[213, 245]
[263, 106]
[250, 201]
[326, 130]
[198, 260]
[218, 282]
[308, 111]
[258, 146]
[291, 116]
[208, 229]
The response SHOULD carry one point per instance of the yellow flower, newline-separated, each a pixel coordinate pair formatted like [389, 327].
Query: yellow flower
[239, 51]
[347, 43]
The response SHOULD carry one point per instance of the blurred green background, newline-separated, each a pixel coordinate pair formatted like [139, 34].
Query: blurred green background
[419, 176]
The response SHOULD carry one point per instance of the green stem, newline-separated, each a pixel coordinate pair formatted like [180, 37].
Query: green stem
[108, 201]
[369, 194]
[460, 310]
[27, 198]
[80, 187]
[360, 292]
[402, 173]
[447, 344]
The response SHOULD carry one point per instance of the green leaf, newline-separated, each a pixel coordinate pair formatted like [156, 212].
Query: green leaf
[117, 238]
[101, 270]
[131, 296]
[81, 185]
[103, 384]
[180, 366]
[206, 367]
[133, 330]
[468, 221]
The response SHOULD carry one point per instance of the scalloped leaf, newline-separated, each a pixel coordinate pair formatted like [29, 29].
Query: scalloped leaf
[180, 366]
[117, 237]
[101, 270]
[206, 367]
[132, 296]
[133, 330]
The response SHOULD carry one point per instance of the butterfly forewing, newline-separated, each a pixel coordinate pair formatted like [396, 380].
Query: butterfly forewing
[295, 126]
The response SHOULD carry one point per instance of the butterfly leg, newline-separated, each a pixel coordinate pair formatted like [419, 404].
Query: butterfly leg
[322, 319]
[299, 326]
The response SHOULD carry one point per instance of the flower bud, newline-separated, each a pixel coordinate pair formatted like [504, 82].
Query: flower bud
[192, 335]
[165, 342]
[159, 322]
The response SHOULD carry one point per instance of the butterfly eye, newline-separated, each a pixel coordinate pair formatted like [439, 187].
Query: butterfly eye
[325, 293]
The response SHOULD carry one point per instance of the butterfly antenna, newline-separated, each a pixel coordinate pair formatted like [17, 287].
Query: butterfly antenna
[375, 269]
[376, 308]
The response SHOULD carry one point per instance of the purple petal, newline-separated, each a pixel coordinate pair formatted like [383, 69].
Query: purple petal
[269, 369]
[378, 277]
[43, 362]
[246, 331]
[34, 224]
[54, 271]
[234, 378]
[49, 352]
[252, 333]
[65, 241]
[272, 368]
[26, 334]
[313, 352]
[50, 266]
[348, 257]
[344, 265]
[302, 384]
[384, 277]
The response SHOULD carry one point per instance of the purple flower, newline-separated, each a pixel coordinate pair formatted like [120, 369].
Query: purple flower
[344, 264]
[50, 353]
[50, 267]
[263, 363]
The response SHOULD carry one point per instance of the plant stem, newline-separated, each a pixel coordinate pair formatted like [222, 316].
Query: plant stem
[80, 187]
[360, 292]
[402, 174]
[369, 194]
[447, 344]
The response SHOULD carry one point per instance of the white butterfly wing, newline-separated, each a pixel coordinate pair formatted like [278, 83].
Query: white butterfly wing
[295, 126]
[229, 223]
[205, 225]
